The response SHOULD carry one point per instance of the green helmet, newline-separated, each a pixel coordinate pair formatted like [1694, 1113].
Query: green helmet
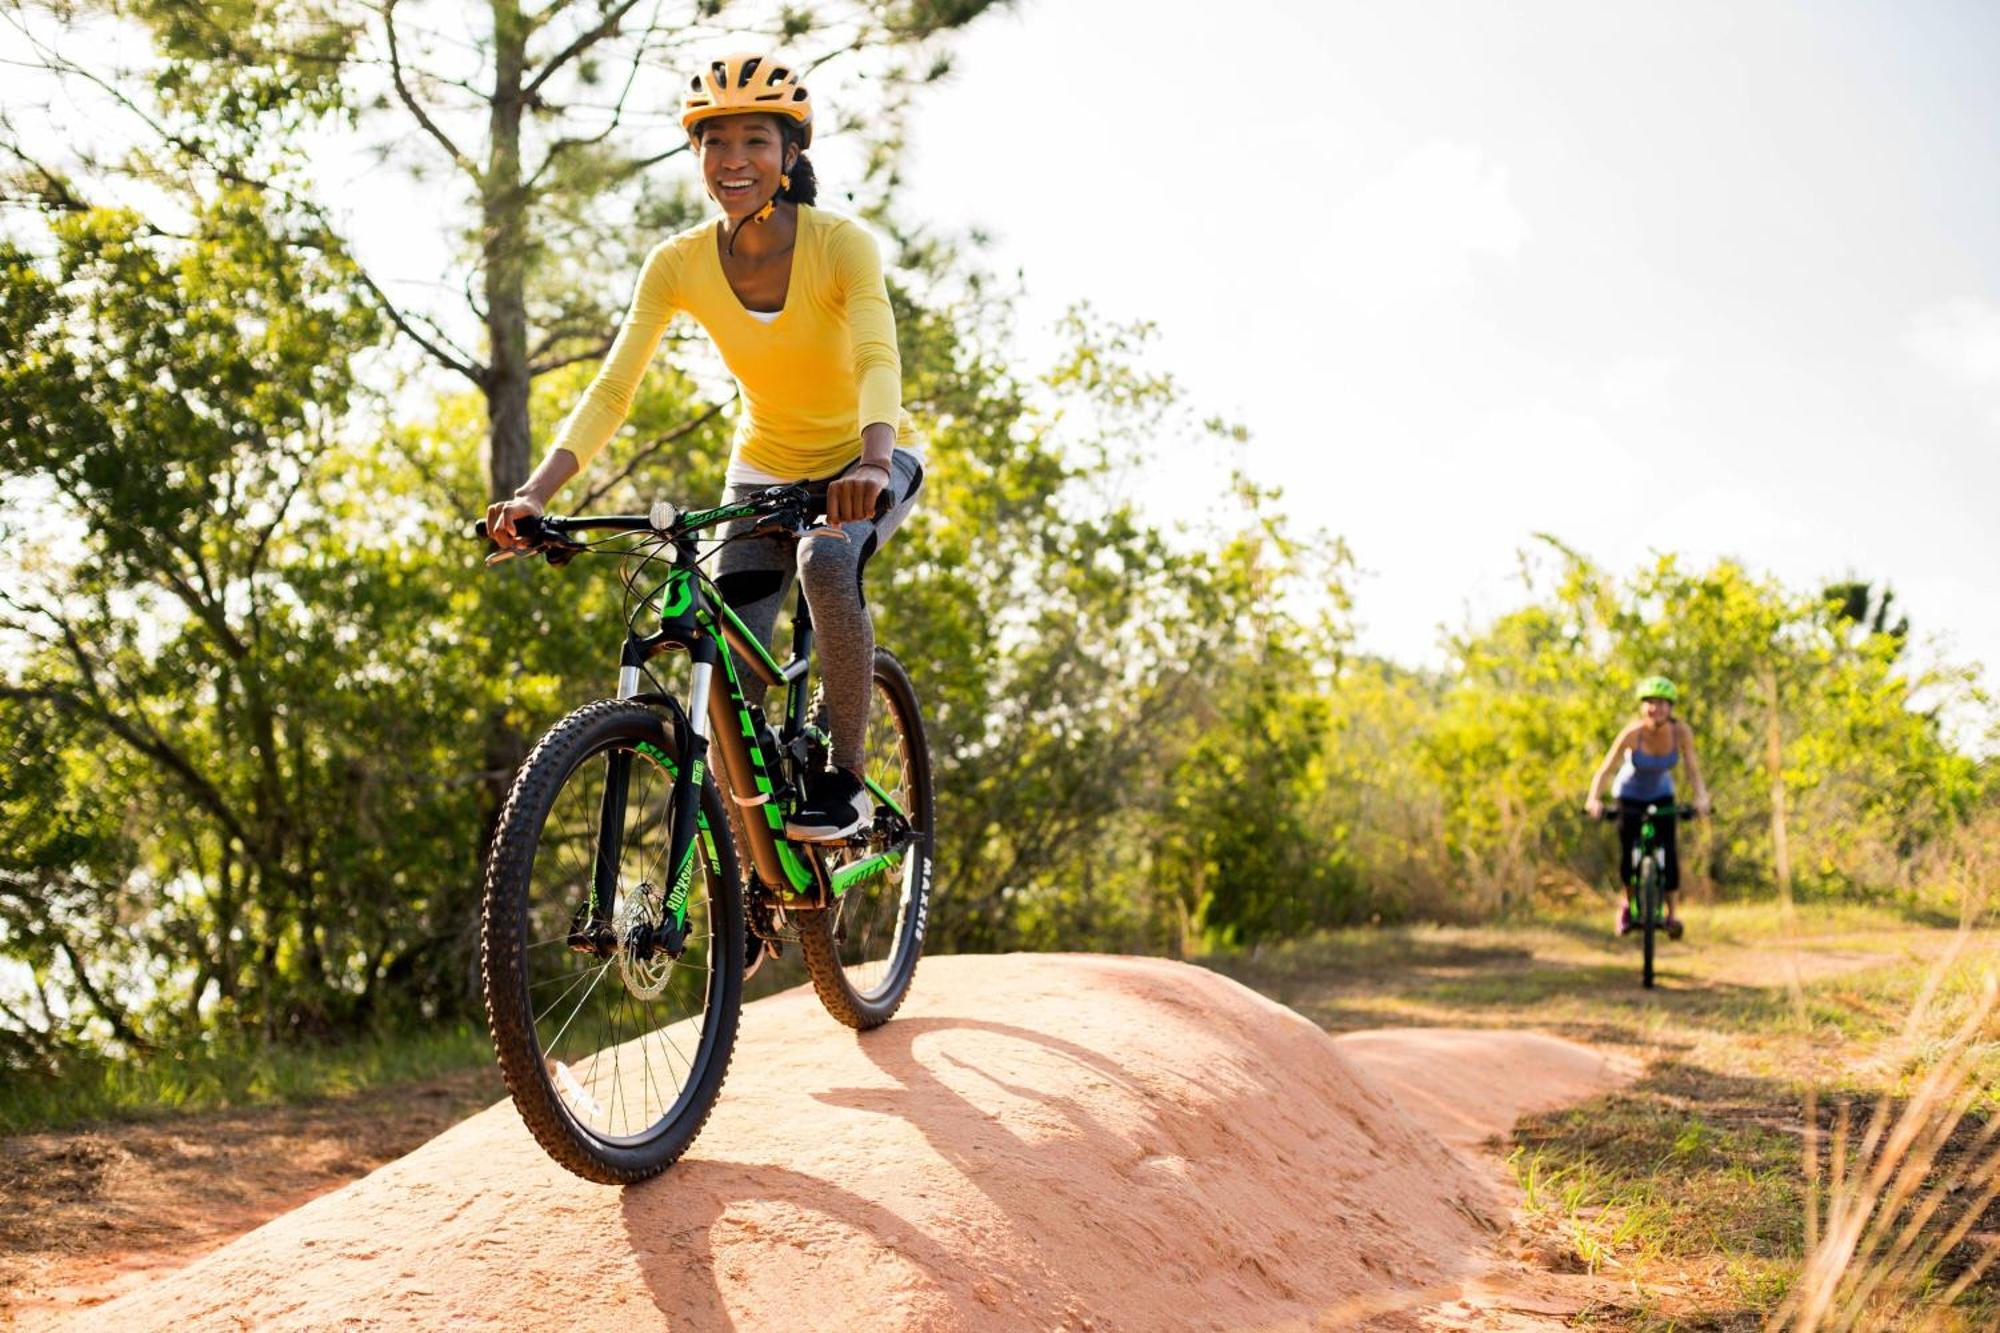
[1657, 687]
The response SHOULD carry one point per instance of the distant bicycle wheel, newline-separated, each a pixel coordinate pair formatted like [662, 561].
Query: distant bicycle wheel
[1649, 911]
[862, 951]
[613, 1044]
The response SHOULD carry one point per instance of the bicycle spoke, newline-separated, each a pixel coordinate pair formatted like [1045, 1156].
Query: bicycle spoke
[586, 1023]
[596, 977]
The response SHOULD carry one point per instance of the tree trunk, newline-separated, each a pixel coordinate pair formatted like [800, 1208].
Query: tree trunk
[1774, 763]
[503, 242]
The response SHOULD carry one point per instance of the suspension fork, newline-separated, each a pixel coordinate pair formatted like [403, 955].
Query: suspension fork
[692, 773]
[684, 801]
[610, 846]
[593, 931]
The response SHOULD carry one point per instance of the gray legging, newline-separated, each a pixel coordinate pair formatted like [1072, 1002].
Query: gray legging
[754, 575]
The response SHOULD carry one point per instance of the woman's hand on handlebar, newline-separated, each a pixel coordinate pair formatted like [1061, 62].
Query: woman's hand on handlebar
[1594, 808]
[502, 515]
[854, 496]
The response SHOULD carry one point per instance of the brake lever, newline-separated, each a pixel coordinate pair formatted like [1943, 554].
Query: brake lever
[555, 549]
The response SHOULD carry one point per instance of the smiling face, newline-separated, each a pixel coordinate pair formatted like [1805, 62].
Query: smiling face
[742, 158]
[1657, 711]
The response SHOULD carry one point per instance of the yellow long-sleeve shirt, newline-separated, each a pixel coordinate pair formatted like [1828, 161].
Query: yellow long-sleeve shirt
[811, 378]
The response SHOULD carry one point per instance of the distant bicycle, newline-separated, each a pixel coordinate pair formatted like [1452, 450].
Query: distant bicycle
[1645, 895]
[616, 931]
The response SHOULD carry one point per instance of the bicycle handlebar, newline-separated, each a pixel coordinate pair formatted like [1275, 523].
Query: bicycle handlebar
[799, 503]
[1611, 811]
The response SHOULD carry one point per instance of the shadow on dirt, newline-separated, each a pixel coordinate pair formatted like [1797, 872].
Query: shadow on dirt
[1047, 1165]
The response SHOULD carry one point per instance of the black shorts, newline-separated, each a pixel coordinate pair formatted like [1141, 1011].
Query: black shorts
[1631, 814]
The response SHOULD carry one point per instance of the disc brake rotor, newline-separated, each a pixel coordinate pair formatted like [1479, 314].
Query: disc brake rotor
[644, 978]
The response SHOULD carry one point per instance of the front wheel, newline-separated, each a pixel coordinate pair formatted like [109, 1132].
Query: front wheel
[862, 951]
[1649, 912]
[613, 1044]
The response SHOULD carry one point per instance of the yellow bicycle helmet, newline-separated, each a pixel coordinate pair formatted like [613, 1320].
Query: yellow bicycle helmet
[748, 81]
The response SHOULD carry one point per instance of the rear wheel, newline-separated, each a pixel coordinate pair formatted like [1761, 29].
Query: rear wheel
[614, 1052]
[862, 951]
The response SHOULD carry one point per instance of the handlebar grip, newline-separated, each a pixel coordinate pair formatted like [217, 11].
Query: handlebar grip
[528, 527]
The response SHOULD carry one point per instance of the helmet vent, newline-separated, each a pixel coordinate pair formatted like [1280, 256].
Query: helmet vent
[749, 68]
[779, 75]
[798, 94]
[694, 84]
[720, 73]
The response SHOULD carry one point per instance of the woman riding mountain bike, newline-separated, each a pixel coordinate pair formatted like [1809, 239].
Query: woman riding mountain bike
[794, 300]
[1644, 757]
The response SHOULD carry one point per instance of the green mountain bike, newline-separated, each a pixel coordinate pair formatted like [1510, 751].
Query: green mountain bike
[1648, 902]
[617, 928]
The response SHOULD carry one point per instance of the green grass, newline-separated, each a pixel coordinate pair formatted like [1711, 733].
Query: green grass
[235, 1072]
[1684, 1171]
[1690, 1191]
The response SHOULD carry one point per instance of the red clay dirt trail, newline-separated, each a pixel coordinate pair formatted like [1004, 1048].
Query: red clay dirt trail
[1037, 1141]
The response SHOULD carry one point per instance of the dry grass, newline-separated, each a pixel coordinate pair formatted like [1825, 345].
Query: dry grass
[1813, 1145]
[1899, 1233]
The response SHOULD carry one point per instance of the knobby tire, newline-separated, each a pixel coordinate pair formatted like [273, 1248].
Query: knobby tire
[1649, 909]
[574, 751]
[895, 719]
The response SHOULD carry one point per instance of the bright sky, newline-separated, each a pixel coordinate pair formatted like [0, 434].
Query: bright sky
[1719, 278]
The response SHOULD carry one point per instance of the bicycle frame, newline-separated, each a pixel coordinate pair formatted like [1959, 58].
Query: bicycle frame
[694, 619]
[1648, 843]
[1647, 846]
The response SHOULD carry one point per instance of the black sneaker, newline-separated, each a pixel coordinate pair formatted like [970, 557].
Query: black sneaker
[836, 806]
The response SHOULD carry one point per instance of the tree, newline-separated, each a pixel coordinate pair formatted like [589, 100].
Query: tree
[548, 121]
[1861, 776]
[177, 396]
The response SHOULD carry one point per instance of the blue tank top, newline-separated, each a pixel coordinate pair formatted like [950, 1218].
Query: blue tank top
[1647, 777]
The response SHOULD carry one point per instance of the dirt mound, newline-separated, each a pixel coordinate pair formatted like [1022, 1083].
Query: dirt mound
[1038, 1141]
[1467, 1086]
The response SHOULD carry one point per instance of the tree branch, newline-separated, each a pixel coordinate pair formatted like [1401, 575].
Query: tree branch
[451, 149]
[561, 146]
[591, 353]
[646, 451]
[465, 366]
[568, 328]
[638, 165]
[584, 41]
[140, 735]
[54, 193]
[121, 1026]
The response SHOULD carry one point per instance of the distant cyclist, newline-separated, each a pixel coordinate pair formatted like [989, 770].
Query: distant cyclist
[794, 300]
[1643, 757]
